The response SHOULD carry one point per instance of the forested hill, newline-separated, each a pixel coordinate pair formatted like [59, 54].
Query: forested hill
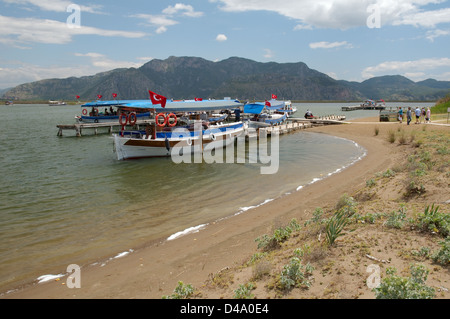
[190, 77]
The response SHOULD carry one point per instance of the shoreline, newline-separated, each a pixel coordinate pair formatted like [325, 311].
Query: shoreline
[154, 270]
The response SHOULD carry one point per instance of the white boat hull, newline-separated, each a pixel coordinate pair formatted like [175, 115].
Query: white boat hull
[214, 137]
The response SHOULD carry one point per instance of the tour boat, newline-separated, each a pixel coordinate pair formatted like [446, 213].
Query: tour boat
[263, 114]
[178, 128]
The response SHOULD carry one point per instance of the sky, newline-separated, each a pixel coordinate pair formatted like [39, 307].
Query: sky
[351, 40]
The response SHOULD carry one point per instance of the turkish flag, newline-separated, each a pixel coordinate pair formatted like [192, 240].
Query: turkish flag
[157, 99]
[99, 96]
[114, 95]
[198, 99]
[274, 97]
[268, 103]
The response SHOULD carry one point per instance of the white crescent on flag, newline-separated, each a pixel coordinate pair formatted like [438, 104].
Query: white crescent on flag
[158, 99]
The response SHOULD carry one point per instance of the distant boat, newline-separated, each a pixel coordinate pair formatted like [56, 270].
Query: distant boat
[287, 108]
[103, 114]
[265, 114]
[9, 103]
[52, 103]
[366, 105]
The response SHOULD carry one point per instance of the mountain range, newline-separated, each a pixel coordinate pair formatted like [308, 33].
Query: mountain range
[244, 79]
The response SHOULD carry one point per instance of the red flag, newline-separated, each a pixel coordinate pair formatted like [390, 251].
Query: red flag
[114, 95]
[99, 96]
[77, 97]
[268, 103]
[198, 99]
[157, 99]
[274, 97]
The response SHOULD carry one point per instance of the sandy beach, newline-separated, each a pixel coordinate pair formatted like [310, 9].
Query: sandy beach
[153, 270]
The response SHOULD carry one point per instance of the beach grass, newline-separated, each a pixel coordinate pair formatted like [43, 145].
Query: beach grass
[340, 241]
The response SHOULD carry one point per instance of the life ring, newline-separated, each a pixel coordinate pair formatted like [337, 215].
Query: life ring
[123, 116]
[132, 118]
[164, 117]
[84, 112]
[171, 115]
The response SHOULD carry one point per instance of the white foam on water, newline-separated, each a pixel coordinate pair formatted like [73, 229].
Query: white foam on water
[341, 168]
[189, 230]
[45, 278]
[196, 229]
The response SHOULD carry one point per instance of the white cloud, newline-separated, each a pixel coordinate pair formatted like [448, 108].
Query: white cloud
[17, 31]
[268, 53]
[429, 19]
[187, 10]
[221, 38]
[166, 19]
[420, 69]
[161, 22]
[55, 5]
[332, 75]
[25, 72]
[102, 63]
[343, 14]
[433, 34]
[329, 45]
[19, 72]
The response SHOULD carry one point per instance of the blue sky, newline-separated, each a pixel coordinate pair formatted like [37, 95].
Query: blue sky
[347, 39]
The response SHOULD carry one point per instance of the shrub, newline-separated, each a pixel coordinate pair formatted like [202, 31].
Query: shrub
[413, 188]
[443, 150]
[389, 173]
[244, 292]
[442, 256]
[434, 221]
[395, 287]
[371, 183]
[402, 140]
[371, 218]
[396, 219]
[391, 137]
[347, 203]
[181, 291]
[317, 215]
[256, 257]
[423, 252]
[300, 252]
[295, 274]
[279, 235]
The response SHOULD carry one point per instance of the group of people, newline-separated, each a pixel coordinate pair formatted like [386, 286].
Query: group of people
[420, 114]
[94, 112]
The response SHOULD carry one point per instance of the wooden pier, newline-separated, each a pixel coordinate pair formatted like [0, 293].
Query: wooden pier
[292, 124]
[361, 107]
[110, 126]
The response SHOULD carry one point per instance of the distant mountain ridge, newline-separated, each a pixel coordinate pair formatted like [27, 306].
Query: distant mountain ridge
[190, 77]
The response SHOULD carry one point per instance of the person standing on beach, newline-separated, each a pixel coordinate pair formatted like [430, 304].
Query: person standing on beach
[408, 115]
[423, 115]
[428, 116]
[417, 112]
[400, 115]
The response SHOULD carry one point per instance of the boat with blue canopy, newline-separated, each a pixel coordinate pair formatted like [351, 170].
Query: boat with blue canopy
[177, 126]
[262, 114]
